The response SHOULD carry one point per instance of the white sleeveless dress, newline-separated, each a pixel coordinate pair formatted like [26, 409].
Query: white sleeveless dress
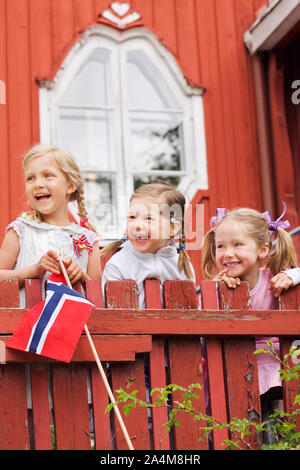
[37, 238]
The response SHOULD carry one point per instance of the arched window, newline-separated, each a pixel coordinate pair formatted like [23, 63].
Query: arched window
[121, 105]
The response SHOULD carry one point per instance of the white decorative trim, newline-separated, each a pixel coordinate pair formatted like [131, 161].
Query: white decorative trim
[119, 15]
[97, 31]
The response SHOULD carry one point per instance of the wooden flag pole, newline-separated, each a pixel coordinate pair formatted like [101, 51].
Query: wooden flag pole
[101, 370]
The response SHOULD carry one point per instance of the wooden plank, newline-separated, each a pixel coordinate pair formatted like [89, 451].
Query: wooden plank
[4, 153]
[94, 292]
[123, 376]
[241, 368]
[33, 292]
[121, 293]
[290, 299]
[40, 406]
[215, 368]
[157, 369]
[185, 365]
[9, 293]
[109, 348]
[71, 411]
[103, 437]
[131, 377]
[13, 408]
[38, 378]
[178, 322]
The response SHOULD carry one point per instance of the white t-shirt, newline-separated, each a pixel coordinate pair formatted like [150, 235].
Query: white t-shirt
[130, 264]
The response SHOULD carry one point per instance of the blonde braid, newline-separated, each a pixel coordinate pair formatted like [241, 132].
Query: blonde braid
[81, 207]
[184, 262]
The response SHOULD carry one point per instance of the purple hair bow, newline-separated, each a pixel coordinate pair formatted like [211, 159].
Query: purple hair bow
[273, 225]
[220, 212]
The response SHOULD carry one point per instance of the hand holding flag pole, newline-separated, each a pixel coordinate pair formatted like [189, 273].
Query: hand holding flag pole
[98, 362]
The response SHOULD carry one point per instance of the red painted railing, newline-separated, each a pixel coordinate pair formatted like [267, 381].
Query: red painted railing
[156, 345]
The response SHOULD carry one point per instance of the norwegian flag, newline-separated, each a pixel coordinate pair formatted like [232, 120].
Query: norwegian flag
[52, 328]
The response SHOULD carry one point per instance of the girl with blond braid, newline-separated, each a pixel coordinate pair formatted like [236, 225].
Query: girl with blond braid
[155, 219]
[34, 241]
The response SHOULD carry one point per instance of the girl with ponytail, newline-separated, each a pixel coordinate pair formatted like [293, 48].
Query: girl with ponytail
[245, 245]
[148, 249]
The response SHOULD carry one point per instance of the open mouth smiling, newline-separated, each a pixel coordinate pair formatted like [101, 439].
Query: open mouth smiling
[42, 196]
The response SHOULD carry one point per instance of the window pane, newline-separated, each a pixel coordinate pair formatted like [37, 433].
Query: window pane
[146, 87]
[89, 86]
[139, 180]
[85, 134]
[101, 200]
[156, 141]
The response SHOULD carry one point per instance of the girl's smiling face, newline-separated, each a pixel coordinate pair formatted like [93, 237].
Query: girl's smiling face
[147, 229]
[238, 252]
[47, 189]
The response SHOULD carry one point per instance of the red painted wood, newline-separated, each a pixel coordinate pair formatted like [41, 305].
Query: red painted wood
[121, 293]
[33, 292]
[38, 378]
[285, 182]
[131, 375]
[109, 348]
[71, 410]
[240, 363]
[40, 406]
[157, 369]
[185, 365]
[4, 154]
[94, 292]
[13, 408]
[215, 369]
[290, 299]
[9, 293]
[103, 438]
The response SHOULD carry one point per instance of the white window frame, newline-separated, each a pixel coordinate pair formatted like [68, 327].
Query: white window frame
[189, 98]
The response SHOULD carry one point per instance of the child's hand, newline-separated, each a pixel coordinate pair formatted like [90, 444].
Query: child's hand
[279, 283]
[48, 262]
[74, 271]
[229, 281]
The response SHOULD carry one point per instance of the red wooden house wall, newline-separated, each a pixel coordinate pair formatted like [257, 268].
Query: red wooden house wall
[206, 37]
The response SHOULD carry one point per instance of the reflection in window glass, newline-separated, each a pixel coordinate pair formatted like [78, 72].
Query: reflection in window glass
[85, 134]
[156, 142]
[101, 200]
[146, 88]
[89, 86]
[139, 180]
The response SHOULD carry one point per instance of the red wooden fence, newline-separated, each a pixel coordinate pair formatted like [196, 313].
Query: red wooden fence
[160, 344]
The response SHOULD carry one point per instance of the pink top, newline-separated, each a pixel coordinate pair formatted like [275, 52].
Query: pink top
[263, 299]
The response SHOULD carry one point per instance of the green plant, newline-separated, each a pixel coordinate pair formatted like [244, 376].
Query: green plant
[280, 423]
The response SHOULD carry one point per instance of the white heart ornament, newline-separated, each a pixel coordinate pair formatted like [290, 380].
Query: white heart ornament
[120, 8]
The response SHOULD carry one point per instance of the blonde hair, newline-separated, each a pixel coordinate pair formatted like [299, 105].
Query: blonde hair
[67, 165]
[170, 199]
[282, 253]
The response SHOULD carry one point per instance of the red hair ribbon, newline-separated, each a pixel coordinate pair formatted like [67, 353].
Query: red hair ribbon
[84, 220]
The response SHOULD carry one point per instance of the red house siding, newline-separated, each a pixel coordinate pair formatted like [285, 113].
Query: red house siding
[206, 38]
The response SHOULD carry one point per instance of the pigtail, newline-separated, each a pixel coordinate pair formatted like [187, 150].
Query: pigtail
[283, 255]
[184, 262]
[111, 248]
[209, 266]
[82, 212]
